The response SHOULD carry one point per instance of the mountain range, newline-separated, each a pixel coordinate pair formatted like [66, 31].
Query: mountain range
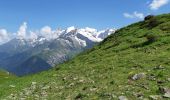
[22, 56]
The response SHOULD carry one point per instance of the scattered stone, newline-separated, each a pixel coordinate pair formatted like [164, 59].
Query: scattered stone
[167, 95]
[139, 95]
[106, 95]
[114, 96]
[155, 97]
[22, 98]
[165, 91]
[159, 67]
[145, 86]
[44, 93]
[72, 84]
[79, 96]
[64, 78]
[93, 89]
[160, 81]
[148, 70]
[33, 83]
[46, 87]
[138, 76]
[81, 81]
[122, 98]
[168, 79]
[75, 78]
[12, 86]
[152, 77]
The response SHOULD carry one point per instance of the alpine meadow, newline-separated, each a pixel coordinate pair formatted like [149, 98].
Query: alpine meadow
[129, 60]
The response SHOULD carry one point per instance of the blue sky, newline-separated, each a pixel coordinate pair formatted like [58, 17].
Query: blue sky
[99, 14]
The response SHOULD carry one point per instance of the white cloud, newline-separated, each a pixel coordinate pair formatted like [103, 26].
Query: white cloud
[156, 4]
[127, 15]
[22, 31]
[47, 32]
[134, 15]
[4, 37]
[139, 15]
[46, 29]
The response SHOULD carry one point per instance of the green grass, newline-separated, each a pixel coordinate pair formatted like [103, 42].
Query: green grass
[104, 72]
[5, 76]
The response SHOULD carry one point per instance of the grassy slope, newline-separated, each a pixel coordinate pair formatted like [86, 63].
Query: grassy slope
[103, 72]
[5, 77]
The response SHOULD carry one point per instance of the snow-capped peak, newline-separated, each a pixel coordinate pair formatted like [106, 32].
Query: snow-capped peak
[90, 30]
[104, 33]
[70, 29]
[82, 35]
[89, 34]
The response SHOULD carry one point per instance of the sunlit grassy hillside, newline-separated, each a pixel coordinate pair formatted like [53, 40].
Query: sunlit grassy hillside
[133, 63]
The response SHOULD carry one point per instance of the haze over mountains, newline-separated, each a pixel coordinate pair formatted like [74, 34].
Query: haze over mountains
[27, 54]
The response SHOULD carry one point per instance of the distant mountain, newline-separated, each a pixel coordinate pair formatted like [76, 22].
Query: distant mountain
[23, 56]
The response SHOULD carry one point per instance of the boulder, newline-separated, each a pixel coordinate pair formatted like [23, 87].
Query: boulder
[138, 76]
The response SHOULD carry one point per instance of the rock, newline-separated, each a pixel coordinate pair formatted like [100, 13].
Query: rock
[33, 83]
[12, 86]
[122, 98]
[93, 89]
[138, 76]
[46, 87]
[81, 81]
[160, 81]
[165, 91]
[159, 67]
[145, 87]
[72, 84]
[22, 98]
[152, 77]
[75, 78]
[138, 95]
[168, 79]
[155, 97]
[79, 96]
[64, 78]
[161, 89]
[106, 95]
[167, 95]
